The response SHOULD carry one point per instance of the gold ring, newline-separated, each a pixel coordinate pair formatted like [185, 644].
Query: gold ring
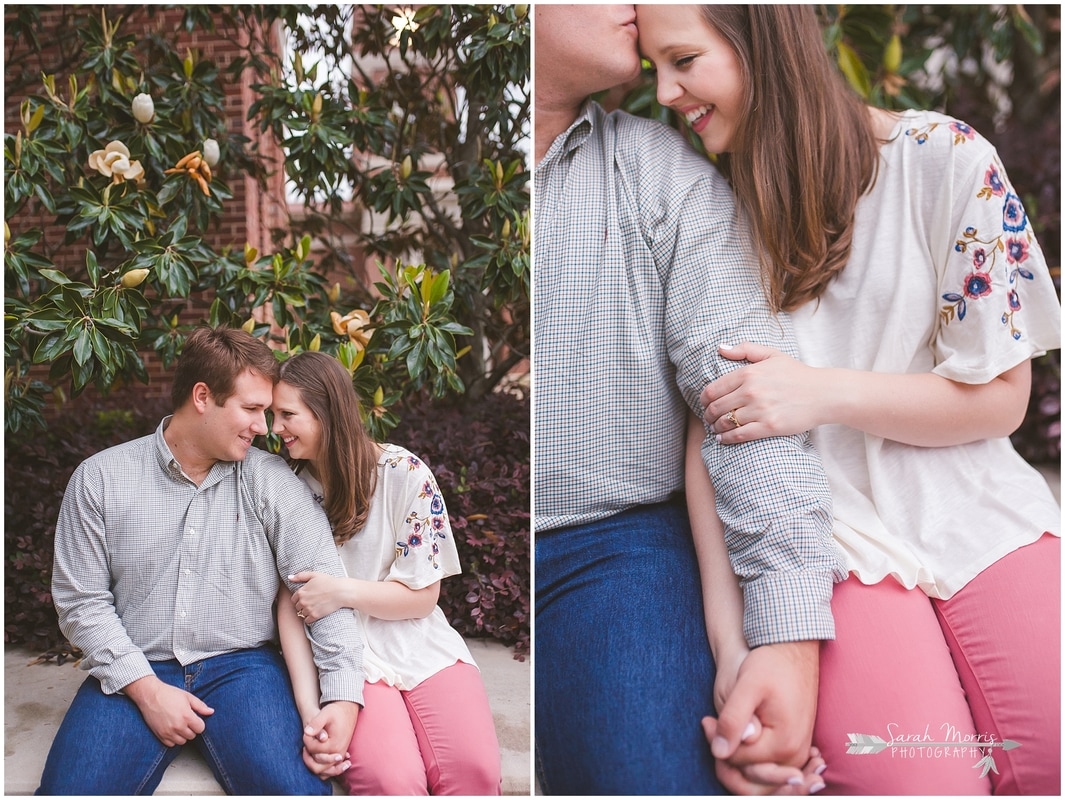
[731, 417]
[301, 615]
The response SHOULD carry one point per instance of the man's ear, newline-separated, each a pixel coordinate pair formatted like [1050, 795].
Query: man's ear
[201, 397]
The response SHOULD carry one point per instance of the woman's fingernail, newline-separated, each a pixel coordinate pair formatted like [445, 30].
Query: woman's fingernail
[820, 769]
[795, 781]
[717, 436]
[748, 732]
[816, 787]
[719, 747]
[309, 730]
[345, 766]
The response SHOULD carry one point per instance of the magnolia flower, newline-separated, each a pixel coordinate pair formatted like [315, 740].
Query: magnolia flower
[210, 152]
[134, 278]
[143, 108]
[354, 326]
[114, 162]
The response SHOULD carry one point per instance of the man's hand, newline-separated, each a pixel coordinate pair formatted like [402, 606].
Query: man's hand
[777, 689]
[172, 714]
[326, 739]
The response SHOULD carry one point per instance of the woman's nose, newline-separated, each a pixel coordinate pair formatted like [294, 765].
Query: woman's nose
[668, 90]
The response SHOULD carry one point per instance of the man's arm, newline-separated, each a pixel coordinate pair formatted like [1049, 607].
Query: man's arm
[81, 586]
[772, 495]
[302, 542]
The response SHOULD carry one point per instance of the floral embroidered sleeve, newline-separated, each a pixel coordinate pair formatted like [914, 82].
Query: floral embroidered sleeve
[425, 550]
[997, 303]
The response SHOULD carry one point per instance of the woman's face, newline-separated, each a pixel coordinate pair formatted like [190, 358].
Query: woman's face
[699, 75]
[295, 423]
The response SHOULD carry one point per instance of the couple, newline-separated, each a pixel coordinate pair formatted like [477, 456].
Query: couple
[898, 567]
[170, 553]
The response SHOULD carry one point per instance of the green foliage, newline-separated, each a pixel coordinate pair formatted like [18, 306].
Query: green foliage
[432, 142]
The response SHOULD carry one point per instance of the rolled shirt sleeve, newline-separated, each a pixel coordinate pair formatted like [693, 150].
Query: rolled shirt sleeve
[772, 494]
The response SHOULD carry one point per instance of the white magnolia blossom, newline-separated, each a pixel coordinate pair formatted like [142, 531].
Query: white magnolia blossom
[143, 108]
[210, 152]
[114, 162]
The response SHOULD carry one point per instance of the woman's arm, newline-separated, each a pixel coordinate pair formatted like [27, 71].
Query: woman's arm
[323, 594]
[776, 395]
[723, 611]
[298, 657]
[722, 597]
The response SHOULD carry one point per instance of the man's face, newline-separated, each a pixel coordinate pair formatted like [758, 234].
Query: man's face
[591, 47]
[228, 429]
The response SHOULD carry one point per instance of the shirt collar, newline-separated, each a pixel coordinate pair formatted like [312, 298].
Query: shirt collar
[574, 136]
[172, 467]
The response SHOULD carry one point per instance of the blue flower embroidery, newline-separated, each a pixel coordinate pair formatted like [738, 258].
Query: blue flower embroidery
[1013, 244]
[1013, 217]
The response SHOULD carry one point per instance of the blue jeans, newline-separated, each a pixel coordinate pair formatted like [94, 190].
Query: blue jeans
[623, 668]
[253, 741]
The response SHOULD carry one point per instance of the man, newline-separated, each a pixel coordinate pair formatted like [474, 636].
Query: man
[642, 270]
[168, 553]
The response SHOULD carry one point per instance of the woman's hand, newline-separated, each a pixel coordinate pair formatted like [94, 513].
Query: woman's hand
[774, 395]
[320, 595]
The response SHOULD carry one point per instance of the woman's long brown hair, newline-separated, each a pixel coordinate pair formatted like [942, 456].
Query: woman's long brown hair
[347, 465]
[804, 151]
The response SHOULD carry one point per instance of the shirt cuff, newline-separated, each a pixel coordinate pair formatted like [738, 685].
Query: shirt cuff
[342, 685]
[119, 674]
[788, 607]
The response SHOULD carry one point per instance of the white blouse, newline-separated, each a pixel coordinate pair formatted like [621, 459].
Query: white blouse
[407, 538]
[945, 276]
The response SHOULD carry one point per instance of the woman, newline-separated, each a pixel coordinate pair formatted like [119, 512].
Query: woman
[426, 726]
[918, 295]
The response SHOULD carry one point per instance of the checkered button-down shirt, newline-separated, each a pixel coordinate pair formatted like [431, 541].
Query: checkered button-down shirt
[642, 270]
[150, 567]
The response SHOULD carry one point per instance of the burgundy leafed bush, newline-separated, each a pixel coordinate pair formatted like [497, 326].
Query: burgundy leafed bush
[480, 456]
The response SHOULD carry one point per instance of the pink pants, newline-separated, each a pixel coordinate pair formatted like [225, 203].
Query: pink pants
[915, 672]
[437, 738]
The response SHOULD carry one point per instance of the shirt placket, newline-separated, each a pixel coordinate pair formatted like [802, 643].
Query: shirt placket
[193, 545]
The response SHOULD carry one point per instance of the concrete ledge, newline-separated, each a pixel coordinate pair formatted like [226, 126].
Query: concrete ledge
[36, 699]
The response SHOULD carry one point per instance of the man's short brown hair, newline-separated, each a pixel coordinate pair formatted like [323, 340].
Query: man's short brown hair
[216, 356]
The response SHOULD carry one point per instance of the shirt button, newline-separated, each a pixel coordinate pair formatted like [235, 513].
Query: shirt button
[192, 531]
[182, 613]
[187, 572]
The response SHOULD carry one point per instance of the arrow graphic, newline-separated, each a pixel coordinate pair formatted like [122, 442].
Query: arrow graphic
[866, 744]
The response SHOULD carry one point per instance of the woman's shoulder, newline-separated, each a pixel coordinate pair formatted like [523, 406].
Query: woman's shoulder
[939, 133]
[395, 458]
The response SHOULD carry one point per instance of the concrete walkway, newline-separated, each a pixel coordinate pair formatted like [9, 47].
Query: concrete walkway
[36, 698]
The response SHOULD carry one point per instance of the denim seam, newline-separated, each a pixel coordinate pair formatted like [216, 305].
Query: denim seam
[149, 774]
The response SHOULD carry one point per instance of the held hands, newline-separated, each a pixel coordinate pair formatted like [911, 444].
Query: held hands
[326, 738]
[318, 597]
[762, 735]
[774, 395]
[172, 714]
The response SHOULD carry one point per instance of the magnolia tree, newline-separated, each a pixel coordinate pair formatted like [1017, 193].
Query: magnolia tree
[122, 156]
